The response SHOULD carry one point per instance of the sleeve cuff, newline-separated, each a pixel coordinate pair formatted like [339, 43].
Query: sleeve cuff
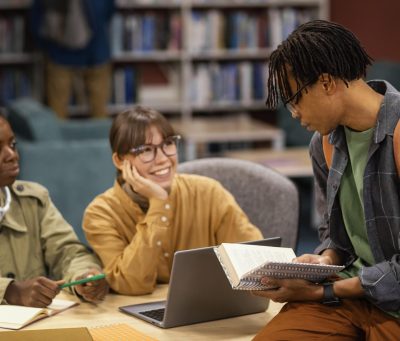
[381, 286]
[4, 283]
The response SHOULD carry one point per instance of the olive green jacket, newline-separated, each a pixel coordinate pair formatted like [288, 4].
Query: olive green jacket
[35, 240]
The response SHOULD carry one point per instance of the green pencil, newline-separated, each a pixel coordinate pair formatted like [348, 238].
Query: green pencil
[82, 281]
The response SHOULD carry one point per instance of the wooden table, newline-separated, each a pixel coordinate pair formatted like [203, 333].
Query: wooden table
[241, 128]
[106, 313]
[292, 162]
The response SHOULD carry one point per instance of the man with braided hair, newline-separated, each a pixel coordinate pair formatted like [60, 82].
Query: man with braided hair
[318, 72]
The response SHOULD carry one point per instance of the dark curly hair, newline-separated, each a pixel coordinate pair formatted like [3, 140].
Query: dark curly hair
[314, 48]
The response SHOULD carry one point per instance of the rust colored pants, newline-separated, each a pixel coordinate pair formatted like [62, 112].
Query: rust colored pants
[353, 320]
[96, 85]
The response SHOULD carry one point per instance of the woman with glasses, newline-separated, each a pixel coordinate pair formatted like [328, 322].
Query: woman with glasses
[136, 226]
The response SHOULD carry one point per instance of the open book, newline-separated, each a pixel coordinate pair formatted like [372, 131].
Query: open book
[17, 316]
[245, 265]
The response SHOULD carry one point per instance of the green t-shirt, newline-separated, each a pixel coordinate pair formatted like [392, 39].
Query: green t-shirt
[351, 201]
[351, 194]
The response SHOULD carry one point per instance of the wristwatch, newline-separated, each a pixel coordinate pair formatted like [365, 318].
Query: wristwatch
[329, 296]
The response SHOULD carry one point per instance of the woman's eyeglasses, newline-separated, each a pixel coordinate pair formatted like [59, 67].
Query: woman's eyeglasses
[147, 152]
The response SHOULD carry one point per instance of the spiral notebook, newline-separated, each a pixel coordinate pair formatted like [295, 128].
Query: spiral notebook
[245, 265]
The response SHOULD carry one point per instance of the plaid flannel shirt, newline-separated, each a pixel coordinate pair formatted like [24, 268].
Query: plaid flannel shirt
[381, 281]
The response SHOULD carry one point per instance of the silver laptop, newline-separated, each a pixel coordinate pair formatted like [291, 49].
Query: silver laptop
[199, 291]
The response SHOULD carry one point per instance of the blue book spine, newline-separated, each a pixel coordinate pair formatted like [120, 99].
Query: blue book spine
[148, 27]
[129, 85]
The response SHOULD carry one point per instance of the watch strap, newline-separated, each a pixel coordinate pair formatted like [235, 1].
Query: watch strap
[329, 297]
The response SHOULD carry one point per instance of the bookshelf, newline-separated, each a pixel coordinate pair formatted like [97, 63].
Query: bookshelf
[213, 58]
[19, 65]
[189, 59]
[146, 44]
[183, 57]
[212, 61]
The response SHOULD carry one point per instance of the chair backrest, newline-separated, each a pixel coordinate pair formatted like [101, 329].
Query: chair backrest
[268, 198]
[74, 173]
[36, 122]
[33, 121]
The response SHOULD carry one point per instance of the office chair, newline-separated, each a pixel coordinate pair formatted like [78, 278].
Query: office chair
[269, 199]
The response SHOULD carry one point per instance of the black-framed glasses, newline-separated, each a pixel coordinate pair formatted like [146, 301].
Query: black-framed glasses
[294, 99]
[147, 152]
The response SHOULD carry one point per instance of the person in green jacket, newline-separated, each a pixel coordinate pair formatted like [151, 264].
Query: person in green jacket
[39, 250]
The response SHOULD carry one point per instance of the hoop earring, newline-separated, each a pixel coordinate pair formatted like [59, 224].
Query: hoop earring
[6, 207]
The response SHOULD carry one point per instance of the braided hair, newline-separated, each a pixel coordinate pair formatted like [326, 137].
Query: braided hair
[314, 48]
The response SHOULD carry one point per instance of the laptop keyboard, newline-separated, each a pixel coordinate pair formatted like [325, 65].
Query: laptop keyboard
[156, 314]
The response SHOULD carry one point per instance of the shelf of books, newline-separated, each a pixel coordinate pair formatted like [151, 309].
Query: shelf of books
[184, 57]
[18, 72]
[146, 45]
[200, 56]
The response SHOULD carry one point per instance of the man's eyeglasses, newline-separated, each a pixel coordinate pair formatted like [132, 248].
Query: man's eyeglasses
[294, 99]
[147, 152]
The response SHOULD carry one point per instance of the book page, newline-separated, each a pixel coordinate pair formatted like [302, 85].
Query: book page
[15, 317]
[58, 305]
[250, 263]
[247, 257]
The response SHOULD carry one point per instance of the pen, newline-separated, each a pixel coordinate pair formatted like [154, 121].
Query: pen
[83, 280]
